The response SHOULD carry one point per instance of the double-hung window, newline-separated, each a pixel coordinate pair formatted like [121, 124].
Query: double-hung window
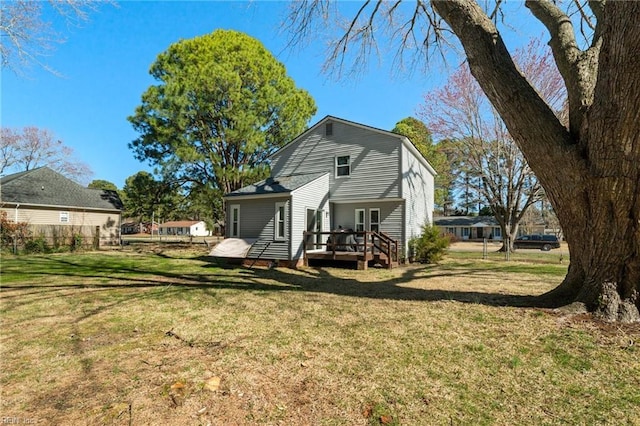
[343, 166]
[235, 221]
[374, 220]
[359, 220]
[279, 222]
[64, 217]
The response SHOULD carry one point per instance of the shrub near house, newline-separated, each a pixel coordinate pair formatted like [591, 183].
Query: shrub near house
[430, 246]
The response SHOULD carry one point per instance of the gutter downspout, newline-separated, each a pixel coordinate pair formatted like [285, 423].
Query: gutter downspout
[16, 214]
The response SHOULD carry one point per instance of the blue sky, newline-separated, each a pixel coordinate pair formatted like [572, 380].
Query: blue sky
[104, 67]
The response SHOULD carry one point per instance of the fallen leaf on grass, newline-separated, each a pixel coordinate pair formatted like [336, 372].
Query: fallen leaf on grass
[177, 386]
[368, 411]
[386, 420]
[212, 384]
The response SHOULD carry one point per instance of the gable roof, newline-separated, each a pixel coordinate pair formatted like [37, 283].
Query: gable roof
[403, 139]
[45, 187]
[280, 185]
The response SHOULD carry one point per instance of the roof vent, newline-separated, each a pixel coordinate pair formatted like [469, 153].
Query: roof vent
[328, 129]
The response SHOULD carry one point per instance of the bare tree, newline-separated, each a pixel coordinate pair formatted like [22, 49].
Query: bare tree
[26, 37]
[590, 168]
[501, 175]
[31, 147]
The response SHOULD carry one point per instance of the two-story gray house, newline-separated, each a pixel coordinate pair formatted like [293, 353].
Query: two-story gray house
[337, 174]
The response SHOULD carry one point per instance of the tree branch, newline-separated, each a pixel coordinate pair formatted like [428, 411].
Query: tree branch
[577, 67]
[530, 121]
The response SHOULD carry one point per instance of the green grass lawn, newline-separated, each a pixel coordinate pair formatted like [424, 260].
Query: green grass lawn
[169, 337]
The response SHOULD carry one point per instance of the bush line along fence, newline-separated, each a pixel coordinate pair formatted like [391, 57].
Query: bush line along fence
[22, 237]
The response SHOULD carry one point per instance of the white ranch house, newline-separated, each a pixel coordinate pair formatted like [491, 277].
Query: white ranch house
[190, 228]
[469, 227]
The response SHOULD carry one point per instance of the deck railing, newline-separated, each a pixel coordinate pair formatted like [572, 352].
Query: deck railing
[363, 242]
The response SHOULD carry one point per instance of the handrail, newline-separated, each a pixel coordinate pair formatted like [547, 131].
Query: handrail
[392, 245]
[264, 248]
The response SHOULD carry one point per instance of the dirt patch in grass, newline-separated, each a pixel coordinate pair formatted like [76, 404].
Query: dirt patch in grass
[167, 337]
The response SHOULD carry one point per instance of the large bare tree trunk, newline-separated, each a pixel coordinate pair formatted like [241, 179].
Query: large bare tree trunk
[591, 170]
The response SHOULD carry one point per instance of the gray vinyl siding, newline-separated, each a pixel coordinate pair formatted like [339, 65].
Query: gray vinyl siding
[391, 216]
[375, 161]
[417, 190]
[314, 195]
[257, 217]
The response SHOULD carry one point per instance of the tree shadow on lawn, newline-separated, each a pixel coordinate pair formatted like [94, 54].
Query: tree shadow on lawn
[224, 276]
[322, 280]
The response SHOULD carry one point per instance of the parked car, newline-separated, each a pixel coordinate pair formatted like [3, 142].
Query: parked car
[542, 242]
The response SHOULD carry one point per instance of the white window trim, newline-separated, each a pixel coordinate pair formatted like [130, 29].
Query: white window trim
[66, 216]
[278, 219]
[232, 208]
[364, 218]
[342, 165]
[371, 222]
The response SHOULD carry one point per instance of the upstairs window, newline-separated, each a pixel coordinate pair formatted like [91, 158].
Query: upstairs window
[343, 166]
[64, 217]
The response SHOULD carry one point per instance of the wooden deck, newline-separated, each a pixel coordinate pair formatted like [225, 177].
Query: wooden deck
[360, 247]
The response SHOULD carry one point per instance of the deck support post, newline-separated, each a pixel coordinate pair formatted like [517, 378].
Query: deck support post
[362, 264]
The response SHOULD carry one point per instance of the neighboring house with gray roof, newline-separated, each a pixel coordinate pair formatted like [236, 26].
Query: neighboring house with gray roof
[469, 227]
[481, 227]
[57, 207]
[337, 174]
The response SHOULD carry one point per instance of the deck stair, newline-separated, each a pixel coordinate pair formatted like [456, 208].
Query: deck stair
[385, 250]
[257, 250]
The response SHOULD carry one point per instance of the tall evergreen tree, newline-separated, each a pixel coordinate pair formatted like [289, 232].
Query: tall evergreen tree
[222, 105]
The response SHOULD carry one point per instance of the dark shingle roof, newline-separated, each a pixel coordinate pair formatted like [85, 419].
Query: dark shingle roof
[43, 186]
[277, 185]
